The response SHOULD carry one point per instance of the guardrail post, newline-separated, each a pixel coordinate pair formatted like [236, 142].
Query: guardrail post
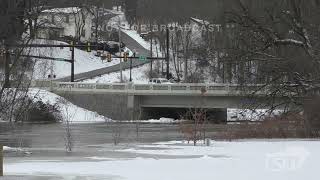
[188, 88]
[75, 85]
[1, 160]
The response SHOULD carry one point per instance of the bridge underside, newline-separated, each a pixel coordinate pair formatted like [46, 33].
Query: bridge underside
[209, 102]
[213, 115]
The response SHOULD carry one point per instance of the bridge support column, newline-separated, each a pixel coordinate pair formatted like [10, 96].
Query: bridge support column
[134, 107]
[131, 104]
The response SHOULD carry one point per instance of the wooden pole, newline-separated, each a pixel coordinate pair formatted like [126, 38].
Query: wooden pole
[72, 62]
[168, 54]
[1, 160]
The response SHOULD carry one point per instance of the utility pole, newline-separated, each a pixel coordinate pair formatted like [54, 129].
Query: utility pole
[168, 55]
[151, 53]
[72, 62]
[97, 25]
[121, 78]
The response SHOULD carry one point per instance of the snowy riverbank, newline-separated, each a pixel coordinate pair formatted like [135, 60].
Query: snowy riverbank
[279, 159]
[69, 111]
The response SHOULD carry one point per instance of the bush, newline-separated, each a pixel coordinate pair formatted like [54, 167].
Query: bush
[41, 112]
[292, 125]
[194, 129]
[312, 116]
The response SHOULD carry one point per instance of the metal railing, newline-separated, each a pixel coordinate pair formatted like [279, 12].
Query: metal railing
[207, 89]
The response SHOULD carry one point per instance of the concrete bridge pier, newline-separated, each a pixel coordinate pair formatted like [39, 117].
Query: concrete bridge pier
[133, 107]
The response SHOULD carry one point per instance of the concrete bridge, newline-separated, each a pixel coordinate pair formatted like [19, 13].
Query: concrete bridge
[130, 100]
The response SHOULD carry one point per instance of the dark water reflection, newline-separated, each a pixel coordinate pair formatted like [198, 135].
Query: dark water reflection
[52, 135]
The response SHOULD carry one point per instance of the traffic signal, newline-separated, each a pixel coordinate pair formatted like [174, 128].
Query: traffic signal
[125, 59]
[89, 47]
[109, 57]
[72, 44]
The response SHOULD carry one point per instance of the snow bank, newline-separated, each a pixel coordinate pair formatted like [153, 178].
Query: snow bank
[7, 149]
[250, 115]
[70, 112]
[125, 28]
[157, 121]
[133, 34]
[294, 160]
[114, 22]
[162, 120]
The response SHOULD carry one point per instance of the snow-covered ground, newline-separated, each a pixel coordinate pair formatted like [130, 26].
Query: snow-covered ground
[241, 160]
[84, 61]
[132, 32]
[69, 111]
[138, 76]
[7, 149]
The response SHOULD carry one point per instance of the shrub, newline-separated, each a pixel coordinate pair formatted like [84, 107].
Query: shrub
[312, 116]
[43, 112]
[291, 125]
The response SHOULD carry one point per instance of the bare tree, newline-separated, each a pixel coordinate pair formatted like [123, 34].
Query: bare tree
[14, 69]
[194, 128]
[67, 120]
[280, 41]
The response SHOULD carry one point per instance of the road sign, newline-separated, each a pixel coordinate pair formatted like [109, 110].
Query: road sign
[142, 58]
[61, 59]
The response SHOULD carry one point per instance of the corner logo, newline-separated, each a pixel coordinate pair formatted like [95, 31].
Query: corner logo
[291, 159]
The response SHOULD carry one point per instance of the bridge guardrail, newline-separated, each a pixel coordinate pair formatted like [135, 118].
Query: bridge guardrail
[147, 88]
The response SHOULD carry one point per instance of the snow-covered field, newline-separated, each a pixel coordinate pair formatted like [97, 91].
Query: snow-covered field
[176, 160]
[84, 61]
[69, 111]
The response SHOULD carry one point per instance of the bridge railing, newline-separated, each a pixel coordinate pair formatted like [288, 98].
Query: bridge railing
[149, 88]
